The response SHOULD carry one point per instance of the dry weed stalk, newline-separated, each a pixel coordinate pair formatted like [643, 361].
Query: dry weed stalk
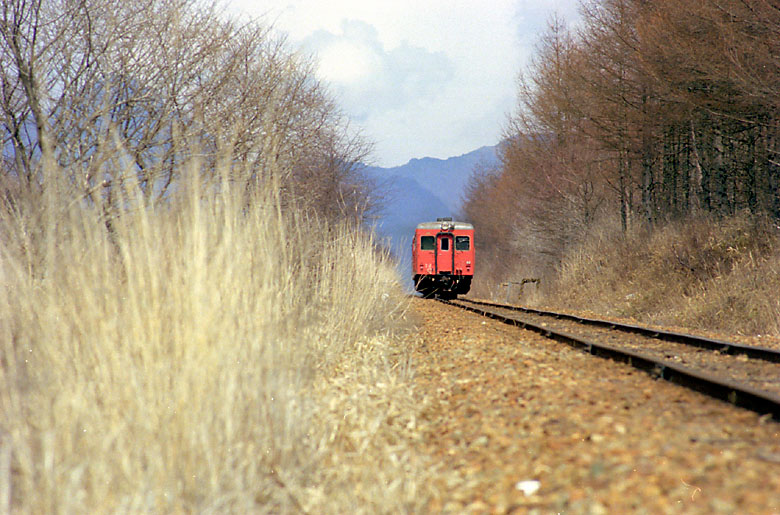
[200, 354]
[708, 273]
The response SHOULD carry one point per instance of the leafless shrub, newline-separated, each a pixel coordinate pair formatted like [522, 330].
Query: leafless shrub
[89, 83]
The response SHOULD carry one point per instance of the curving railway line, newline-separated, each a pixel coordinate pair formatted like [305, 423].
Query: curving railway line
[746, 376]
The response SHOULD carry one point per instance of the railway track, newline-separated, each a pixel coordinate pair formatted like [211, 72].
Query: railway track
[745, 376]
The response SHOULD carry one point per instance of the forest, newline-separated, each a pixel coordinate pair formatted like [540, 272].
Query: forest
[645, 116]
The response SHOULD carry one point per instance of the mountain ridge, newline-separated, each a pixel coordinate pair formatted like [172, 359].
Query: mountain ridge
[431, 172]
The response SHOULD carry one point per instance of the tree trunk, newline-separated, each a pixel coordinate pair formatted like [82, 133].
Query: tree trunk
[696, 177]
[719, 196]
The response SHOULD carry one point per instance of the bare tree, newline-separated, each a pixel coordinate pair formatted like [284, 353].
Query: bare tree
[128, 90]
[652, 111]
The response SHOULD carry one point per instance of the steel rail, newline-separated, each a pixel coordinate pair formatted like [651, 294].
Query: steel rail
[722, 346]
[717, 387]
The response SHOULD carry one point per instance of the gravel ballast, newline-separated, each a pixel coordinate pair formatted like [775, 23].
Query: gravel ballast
[517, 423]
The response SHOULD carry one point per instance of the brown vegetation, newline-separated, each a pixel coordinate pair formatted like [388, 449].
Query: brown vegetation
[651, 113]
[719, 275]
[191, 319]
[200, 356]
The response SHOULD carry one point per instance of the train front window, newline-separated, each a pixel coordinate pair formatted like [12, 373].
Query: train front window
[445, 244]
[462, 243]
[427, 243]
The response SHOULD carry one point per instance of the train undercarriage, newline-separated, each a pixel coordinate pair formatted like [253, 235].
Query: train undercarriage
[442, 285]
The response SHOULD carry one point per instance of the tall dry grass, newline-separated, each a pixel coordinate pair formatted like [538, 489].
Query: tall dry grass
[200, 355]
[708, 273]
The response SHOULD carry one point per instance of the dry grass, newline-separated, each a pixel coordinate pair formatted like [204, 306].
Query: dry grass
[712, 274]
[200, 356]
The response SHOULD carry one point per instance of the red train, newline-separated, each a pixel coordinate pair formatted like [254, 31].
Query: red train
[443, 258]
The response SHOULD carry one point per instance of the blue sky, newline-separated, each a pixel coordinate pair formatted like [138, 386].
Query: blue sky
[419, 78]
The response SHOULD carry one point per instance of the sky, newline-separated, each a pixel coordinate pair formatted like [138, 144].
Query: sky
[424, 78]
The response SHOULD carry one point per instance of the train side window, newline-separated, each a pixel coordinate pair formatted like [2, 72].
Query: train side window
[427, 243]
[445, 244]
[462, 243]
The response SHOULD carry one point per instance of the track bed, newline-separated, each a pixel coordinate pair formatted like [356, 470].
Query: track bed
[504, 405]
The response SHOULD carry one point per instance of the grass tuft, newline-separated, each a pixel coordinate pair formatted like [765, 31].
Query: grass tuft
[720, 275]
[200, 355]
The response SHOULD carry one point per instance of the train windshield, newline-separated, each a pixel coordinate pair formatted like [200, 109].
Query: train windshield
[462, 243]
[427, 243]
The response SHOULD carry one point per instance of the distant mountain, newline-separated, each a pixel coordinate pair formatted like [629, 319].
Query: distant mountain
[421, 191]
[445, 178]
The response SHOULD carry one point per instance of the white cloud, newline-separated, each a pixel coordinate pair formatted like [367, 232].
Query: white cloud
[423, 78]
[370, 79]
[344, 62]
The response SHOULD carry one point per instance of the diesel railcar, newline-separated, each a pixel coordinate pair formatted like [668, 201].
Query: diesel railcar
[443, 258]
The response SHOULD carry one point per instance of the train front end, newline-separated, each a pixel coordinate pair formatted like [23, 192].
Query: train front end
[443, 258]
